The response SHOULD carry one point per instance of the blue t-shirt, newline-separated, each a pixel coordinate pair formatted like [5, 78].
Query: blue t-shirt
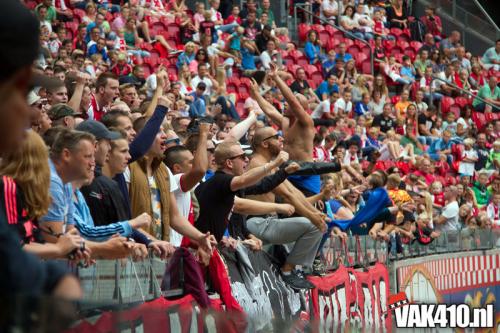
[247, 59]
[361, 109]
[324, 88]
[235, 42]
[346, 57]
[61, 207]
[407, 71]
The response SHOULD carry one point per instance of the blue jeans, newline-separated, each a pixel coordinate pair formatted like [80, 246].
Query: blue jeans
[435, 96]
[198, 108]
[139, 53]
[425, 140]
[435, 157]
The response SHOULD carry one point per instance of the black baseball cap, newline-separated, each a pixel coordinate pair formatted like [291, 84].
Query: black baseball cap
[98, 130]
[19, 41]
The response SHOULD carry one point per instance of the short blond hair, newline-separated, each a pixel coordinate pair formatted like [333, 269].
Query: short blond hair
[223, 151]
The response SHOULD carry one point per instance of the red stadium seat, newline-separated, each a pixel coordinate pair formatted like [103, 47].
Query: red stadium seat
[157, 29]
[389, 44]
[317, 78]
[360, 58]
[396, 32]
[479, 119]
[366, 67]
[172, 69]
[396, 50]
[233, 80]
[303, 30]
[311, 83]
[409, 51]
[416, 45]
[309, 69]
[173, 31]
[446, 102]
[354, 50]
[324, 37]
[402, 44]
[318, 27]
[302, 61]
[231, 88]
[462, 101]
[246, 81]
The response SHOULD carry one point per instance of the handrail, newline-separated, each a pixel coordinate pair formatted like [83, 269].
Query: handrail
[488, 17]
[434, 77]
[302, 7]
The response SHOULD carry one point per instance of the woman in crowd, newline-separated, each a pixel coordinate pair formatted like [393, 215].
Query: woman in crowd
[312, 48]
[25, 188]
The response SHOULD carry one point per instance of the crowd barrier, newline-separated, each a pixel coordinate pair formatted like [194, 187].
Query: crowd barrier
[346, 296]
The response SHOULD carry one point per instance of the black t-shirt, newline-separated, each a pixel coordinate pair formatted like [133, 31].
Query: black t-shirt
[216, 200]
[300, 88]
[482, 158]
[427, 121]
[384, 123]
[261, 42]
[105, 200]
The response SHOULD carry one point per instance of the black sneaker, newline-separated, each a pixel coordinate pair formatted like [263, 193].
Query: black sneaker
[319, 269]
[296, 282]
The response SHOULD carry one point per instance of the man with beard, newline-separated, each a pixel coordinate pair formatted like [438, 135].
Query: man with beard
[306, 230]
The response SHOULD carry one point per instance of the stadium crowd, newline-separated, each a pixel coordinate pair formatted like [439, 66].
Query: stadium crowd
[173, 126]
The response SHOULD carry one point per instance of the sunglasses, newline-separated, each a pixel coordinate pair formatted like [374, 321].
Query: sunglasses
[241, 156]
[177, 141]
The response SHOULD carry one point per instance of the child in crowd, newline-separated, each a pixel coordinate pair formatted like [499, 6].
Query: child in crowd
[469, 158]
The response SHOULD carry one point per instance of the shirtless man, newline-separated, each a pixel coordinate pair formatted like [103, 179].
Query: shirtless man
[266, 145]
[298, 130]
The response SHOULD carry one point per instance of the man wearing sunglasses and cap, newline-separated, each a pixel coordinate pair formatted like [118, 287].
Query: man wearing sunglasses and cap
[21, 273]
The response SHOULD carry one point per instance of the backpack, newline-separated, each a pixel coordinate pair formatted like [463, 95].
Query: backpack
[417, 30]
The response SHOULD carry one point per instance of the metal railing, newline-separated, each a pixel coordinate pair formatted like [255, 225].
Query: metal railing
[116, 282]
[363, 251]
[434, 78]
[310, 15]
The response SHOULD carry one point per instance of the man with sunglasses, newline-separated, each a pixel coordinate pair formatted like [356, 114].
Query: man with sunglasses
[40, 121]
[216, 196]
[310, 223]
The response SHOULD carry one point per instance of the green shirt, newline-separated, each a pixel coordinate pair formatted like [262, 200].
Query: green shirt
[486, 93]
[51, 13]
[270, 14]
[482, 194]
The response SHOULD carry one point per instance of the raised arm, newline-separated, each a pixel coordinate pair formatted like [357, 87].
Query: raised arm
[239, 130]
[145, 138]
[253, 176]
[293, 103]
[76, 98]
[268, 109]
[200, 161]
